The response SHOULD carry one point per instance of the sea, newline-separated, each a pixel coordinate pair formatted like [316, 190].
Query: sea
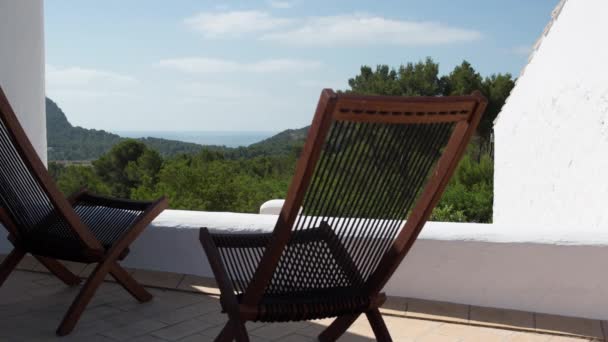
[225, 138]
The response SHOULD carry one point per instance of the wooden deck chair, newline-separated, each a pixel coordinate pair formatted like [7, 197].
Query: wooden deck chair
[370, 173]
[82, 228]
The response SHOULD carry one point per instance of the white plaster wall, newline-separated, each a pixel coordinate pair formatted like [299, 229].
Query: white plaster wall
[479, 264]
[552, 135]
[22, 66]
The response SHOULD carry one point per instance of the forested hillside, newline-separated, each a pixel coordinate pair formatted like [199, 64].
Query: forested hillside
[66, 142]
[241, 179]
[69, 143]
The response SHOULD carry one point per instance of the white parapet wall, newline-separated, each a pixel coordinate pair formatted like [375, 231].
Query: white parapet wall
[22, 66]
[554, 270]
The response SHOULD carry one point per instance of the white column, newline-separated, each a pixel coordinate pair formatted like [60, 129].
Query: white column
[22, 66]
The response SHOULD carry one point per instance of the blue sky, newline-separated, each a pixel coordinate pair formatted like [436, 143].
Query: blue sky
[258, 65]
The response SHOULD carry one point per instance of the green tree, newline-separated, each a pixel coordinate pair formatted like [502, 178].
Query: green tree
[470, 190]
[497, 88]
[420, 78]
[463, 80]
[412, 79]
[127, 166]
[56, 169]
[75, 177]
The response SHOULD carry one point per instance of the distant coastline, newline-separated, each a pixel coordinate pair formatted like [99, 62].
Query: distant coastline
[225, 138]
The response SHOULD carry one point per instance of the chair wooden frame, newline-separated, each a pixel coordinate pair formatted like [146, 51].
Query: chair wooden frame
[464, 111]
[93, 252]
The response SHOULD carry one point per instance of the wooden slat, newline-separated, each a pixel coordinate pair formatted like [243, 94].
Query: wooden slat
[401, 119]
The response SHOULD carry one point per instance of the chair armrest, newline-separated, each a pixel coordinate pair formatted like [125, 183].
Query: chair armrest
[233, 258]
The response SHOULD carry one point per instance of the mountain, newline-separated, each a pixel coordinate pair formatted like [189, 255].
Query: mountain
[66, 142]
[288, 141]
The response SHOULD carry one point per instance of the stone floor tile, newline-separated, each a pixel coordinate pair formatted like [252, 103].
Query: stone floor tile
[195, 338]
[96, 338]
[212, 332]
[435, 337]
[192, 316]
[188, 312]
[473, 333]
[569, 339]
[501, 318]
[74, 267]
[315, 327]
[298, 338]
[361, 327]
[26, 278]
[86, 329]
[527, 337]
[215, 330]
[94, 313]
[569, 325]
[199, 284]
[88, 269]
[28, 263]
[181, 330]
[410, 328]
[127, 317]
[132, 330]
[277, 330]
[215, 318]
[394, 306]
[158, 279]
[441, 311]
[150, 338]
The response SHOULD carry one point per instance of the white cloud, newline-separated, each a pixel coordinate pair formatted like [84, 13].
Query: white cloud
[234, 23]
[362, 29]
[214, 65]
[278, 65]
[348, 29]
[80, 78]
[280, 4]
[216, 92]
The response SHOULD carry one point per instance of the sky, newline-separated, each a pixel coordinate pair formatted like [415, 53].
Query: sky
[193, 65]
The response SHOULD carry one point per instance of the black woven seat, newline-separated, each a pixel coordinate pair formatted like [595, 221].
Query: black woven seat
[301, 306]
[369, 175]
[83, 228]
[107, 218]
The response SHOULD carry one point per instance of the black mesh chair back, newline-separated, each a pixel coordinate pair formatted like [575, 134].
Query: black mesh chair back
[363, 187]
[27, 194]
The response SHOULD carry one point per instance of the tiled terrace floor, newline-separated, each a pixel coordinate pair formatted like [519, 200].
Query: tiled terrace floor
[33, 303]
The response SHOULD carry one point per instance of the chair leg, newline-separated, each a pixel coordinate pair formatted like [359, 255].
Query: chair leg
[338, 327]
[233, 330]
[10, 262]
[130, 284]
[59, 270]
[378, 326]
[240, 332]
[226, 334]
[84, 297]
